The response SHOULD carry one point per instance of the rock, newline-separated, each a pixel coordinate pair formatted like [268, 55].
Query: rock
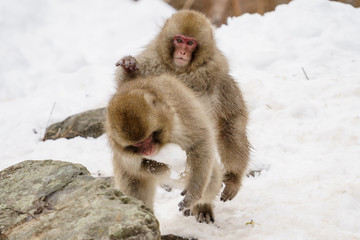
[60, 200]
[85, 124]
[174, 237]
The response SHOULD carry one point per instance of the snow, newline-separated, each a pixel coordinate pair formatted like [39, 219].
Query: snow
[305, 133]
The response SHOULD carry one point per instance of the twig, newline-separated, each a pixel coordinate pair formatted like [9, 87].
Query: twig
[48, 122]
[69, 130]
[305, 73]
[52, 110]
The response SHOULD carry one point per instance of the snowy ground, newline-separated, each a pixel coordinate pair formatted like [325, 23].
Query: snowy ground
[305, 132]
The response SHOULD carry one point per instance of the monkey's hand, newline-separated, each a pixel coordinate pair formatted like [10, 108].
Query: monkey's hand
[188, 201]
[128, 63]
[232, 186]
[154, 167]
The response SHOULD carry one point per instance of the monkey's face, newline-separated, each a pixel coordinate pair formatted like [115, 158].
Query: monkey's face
[183, 49]
[147, 147]
[138, 124]
[186, 41]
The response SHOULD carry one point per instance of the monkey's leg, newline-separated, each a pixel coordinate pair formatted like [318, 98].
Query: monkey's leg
[140, 188]
[234, 152]
[203, 211]
[214, 185]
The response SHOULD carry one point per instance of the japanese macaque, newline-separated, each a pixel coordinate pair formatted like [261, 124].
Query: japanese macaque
[185, 47]
[143, 116]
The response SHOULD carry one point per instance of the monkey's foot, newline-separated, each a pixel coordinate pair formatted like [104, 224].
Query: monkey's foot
[203, 213]
[232, 186]
[129, 64]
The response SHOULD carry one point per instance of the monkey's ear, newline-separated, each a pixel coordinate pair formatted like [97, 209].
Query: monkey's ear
[150, 99]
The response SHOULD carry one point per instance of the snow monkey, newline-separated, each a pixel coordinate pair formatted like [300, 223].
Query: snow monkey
[143, 116]
[185, 47]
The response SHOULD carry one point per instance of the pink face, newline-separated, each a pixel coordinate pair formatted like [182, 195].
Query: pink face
[147, 147]
[184, 46]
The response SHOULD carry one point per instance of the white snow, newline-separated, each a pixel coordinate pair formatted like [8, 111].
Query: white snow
[305, 133]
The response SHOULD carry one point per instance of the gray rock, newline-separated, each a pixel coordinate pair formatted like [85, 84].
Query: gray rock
[60, 200]
[85, 124]
[174, 237]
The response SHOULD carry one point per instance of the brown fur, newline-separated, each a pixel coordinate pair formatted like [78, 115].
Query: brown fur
[208, 76]
[137, 110]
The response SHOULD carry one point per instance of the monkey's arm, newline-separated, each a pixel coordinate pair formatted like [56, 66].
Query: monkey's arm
[199, 163]
[130, 68]
[145, 64]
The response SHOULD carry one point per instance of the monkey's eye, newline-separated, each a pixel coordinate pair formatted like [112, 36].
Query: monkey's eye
[179, 40]
[190, 43]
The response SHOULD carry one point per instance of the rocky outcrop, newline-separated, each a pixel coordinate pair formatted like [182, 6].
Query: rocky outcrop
[60, 200]
[85, 124]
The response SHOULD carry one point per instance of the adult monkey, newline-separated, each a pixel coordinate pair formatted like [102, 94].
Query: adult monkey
[186, 48]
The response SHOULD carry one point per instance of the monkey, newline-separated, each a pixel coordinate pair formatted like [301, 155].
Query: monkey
[185, 48]
[144, 115]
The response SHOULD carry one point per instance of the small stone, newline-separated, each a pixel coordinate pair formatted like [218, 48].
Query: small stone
[86, 124]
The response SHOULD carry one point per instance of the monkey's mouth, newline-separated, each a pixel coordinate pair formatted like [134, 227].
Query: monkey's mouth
[181, 61]
[147, 147]
[150, 151]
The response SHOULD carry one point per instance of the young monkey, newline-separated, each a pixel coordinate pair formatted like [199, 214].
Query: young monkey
[143, 116]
